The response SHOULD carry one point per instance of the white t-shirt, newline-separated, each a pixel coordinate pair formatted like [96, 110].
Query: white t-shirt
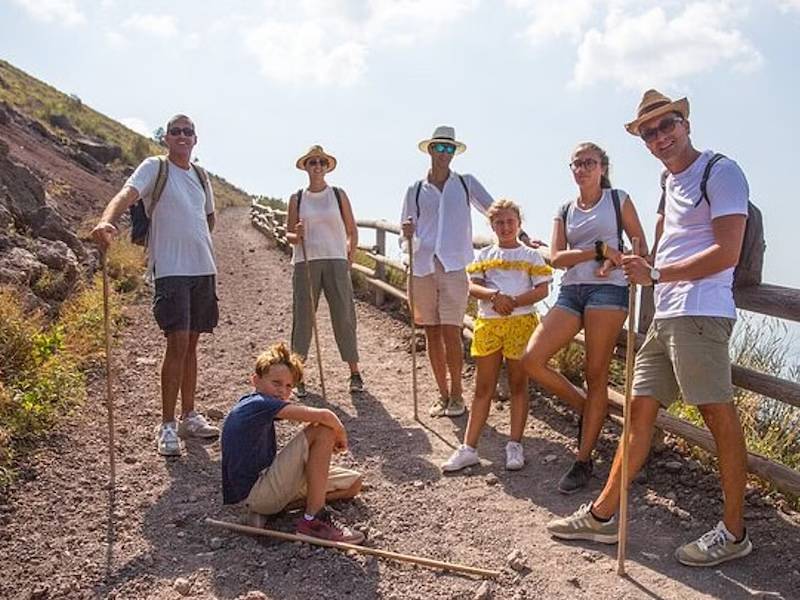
[179, 240]
[326, 236]
[512, 271]
[688, 230]
[584, 228]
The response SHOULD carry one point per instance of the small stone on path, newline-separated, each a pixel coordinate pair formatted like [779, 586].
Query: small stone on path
[673, 466]
[516, 560]
[183, 586]
[549, 458]
[484, 592]
[491, 479]
[215, 543]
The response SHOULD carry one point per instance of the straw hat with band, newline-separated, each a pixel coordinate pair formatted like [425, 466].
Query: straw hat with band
[443, 135]
[316, 151]
[655, 104]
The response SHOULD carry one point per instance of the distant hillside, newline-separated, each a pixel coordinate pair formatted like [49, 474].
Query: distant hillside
[66, 118]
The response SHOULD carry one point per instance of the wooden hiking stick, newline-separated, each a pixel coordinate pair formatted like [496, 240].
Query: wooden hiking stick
[313, 315]
[630, 353]
[413, 326]
[292, 537]
[109, 389]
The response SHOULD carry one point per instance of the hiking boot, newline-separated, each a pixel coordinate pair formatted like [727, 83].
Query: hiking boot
[463, 457]
[326, 527]
[195, 425]
[167, 440]
[714, 547]
[356, 383]
[581, 525]
[438, 407]
[576, 478]
[515, 458]
[455, 408]
[300, 390]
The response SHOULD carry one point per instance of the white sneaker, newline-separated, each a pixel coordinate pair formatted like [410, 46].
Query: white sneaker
[195, 425]
[438, 407]
[515, 458]
[167, 440]
[463, 457]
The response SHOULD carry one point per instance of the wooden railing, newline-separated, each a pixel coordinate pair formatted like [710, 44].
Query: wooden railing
[766, 299]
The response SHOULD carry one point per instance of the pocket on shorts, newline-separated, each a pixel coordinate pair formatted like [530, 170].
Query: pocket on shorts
[715, 329]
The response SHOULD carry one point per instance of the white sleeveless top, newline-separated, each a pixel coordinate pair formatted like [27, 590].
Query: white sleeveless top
[325, 235]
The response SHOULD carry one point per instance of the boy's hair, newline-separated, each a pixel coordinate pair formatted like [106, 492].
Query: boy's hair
[279, 354]
[503, 204]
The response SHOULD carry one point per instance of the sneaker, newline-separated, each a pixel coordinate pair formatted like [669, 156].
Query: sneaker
[195, 425]
[455, 408]
[438, 407]
[300, 390]
[167, 440]
[463, 457]
[581, 525]
[515, 458]
[356, 383]
[576, 478]
[714, 547]
[326, 527]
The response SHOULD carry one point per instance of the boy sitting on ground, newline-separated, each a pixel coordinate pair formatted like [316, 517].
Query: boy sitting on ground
[267, 481]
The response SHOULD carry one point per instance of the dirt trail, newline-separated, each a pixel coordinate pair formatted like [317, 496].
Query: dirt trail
[53, 532]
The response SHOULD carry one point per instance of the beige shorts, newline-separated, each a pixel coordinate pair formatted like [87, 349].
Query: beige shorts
[689, 354]
[441, 297]
[284, 481]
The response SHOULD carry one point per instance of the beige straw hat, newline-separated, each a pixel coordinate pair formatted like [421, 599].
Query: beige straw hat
[316, 151]
[654, 104]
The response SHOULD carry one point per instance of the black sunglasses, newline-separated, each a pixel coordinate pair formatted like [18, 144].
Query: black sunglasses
[187, 131]
[665, 126]
[313, 162]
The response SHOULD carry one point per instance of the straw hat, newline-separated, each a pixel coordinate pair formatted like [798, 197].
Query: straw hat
[316, 151]
[654, 104]
[445, 135]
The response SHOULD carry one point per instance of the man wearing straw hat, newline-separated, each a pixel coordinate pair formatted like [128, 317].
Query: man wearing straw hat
[699, 235]
[436, 212]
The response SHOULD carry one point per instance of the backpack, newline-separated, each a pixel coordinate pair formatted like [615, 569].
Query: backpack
[751, 258]
[336, 192]
[617, 212]
[140, 221]
[419, 188]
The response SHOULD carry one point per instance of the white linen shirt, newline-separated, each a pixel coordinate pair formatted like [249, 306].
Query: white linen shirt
[444, 227]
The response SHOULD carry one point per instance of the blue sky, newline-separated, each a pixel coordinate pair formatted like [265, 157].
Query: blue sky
[521, 80]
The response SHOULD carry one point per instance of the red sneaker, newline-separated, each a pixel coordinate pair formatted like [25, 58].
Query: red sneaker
[325, 527]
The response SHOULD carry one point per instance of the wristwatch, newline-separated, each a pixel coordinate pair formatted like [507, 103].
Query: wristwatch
[655, 275]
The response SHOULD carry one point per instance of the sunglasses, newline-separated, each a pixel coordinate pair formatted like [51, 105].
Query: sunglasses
[446, 148]
[586, 163]
[313, 162]
[187, 131]
[665, 126]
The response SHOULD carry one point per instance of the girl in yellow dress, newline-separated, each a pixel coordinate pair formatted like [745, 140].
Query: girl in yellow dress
[507, 278]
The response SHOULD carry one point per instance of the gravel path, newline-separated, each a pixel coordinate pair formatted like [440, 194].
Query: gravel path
[55, 527]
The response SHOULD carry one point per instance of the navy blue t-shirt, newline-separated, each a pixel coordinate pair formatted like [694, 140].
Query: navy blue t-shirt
[248, 444]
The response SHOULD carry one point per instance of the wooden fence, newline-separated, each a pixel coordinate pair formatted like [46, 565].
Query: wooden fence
[766, 299]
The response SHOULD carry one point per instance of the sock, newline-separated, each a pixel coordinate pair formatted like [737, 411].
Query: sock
[741, 539]
[600, 519]
[470, 448]
[309, 517]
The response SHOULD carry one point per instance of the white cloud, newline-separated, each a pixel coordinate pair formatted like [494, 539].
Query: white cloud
[65, 12]
[138, 125]
[549, 19]
[115, 39]
[652, 48]
[789, 5]
[158, 25]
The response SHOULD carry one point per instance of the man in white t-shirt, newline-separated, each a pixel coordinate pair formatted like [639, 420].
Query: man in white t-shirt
[698, 242]
[181, 261]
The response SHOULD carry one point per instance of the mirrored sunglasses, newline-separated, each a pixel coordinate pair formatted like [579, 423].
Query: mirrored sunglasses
[446, 148]
[665, 126]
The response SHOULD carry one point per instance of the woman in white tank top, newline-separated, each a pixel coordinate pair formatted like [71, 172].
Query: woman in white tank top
[593, 297]
[322, 216]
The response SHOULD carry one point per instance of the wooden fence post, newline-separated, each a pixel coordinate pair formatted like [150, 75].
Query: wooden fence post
[380, 268]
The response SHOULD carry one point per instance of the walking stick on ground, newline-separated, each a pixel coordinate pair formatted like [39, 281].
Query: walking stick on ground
[630, 353]
[109, 389]
[292, 537]
[413, 326]
[313, 315]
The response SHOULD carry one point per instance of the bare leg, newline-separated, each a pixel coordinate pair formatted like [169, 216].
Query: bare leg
[436, 356]
[189, 380]
[172, 372]
[602, 328]
[487, 369]
[347, 494]
[554, 332]
[644, 410]
[454, 351]
[518, 383]
[723, 421]
[320, 449]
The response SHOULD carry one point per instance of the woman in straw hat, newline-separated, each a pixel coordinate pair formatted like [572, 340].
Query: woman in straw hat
[321, 222]
[587, 242]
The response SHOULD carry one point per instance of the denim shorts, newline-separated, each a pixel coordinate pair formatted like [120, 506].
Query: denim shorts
[604, 296]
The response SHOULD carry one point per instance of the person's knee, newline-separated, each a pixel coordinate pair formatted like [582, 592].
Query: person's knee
[644, 410]
[719, 414]
[319, 434]
[534, 364]
[178, 343]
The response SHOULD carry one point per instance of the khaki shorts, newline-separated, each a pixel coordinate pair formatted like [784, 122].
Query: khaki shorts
[441, 297]
[284, 481]
[689, 354]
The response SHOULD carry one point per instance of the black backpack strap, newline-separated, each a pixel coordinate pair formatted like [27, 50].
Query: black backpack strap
[618, 214]
[662, 202]
[466, 189]
[416, 197]
[299, 197]
[564, 211]
[338, 193]
[706, 173]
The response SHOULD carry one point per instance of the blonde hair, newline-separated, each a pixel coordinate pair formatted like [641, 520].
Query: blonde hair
[279, 354]
[503, 204]
[605, 163]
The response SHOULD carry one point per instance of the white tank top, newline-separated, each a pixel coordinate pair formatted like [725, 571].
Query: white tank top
[325, 235]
